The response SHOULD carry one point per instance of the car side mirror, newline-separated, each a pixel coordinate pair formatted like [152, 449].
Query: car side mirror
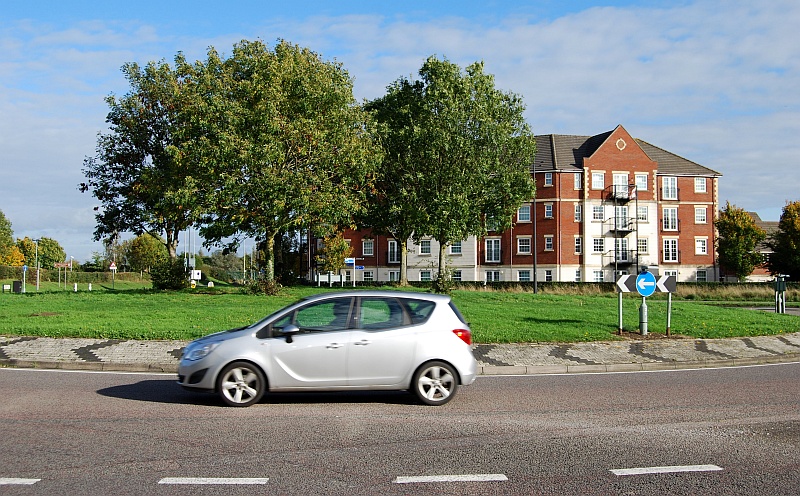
[289, 331]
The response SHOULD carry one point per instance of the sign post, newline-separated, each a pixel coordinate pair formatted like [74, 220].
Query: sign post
[645, 283]
[113, 268]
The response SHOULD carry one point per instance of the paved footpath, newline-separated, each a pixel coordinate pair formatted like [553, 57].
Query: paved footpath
[493, 359]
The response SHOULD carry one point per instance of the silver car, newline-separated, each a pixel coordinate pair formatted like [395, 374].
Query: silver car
[374, 340]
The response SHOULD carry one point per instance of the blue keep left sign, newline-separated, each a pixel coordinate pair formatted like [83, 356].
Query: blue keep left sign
[646, 283]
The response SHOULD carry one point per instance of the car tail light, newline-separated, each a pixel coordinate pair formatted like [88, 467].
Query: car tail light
[464, 334]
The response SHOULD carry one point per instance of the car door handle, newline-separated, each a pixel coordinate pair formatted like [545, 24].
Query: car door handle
[363, 342]
[334, 346]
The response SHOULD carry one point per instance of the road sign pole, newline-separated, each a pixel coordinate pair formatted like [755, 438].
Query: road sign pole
[669, 312]
[619, 297]
[643, 316]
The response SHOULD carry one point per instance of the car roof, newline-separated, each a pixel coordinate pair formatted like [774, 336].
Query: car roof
[380, 293]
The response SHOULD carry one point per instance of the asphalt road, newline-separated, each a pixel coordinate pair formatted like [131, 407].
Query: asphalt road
[720, 431]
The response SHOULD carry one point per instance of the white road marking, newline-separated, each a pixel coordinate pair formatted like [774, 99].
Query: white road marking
[215, 480]
[10, 481]
[665, 470]
[451, 478]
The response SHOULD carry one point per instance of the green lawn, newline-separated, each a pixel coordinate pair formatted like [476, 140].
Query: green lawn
[495, 317]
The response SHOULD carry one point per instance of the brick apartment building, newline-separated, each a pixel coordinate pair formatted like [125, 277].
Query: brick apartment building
[605, 205]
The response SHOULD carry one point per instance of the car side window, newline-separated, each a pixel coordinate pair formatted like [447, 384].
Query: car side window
[320, 316]
[380, 313]
[419, 310]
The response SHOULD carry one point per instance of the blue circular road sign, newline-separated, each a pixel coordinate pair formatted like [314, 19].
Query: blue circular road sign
[646, 283]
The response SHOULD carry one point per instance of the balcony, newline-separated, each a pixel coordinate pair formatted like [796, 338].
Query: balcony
[621, 258]
[621, 225]
[621, 193]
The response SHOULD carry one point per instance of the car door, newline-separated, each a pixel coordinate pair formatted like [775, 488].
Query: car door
[315, 357]
[382, 344]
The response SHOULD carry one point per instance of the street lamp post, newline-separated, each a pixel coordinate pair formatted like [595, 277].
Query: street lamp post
[36, 241]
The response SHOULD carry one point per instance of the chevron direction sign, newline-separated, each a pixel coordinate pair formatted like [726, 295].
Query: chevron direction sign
[633, 283]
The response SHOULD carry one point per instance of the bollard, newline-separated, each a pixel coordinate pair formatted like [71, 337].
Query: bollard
[643, 317]
[75, 287]
[90, 286]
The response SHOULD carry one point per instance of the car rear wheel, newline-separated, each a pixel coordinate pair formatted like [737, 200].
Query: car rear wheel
[435, 383]
[241, 384]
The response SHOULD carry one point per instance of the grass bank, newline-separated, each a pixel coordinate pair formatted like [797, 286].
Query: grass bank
[495, 316]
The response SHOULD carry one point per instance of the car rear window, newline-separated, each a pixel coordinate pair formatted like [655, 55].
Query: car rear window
[419, 310]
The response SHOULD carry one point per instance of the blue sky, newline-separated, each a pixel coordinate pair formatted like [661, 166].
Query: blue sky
[713, 81]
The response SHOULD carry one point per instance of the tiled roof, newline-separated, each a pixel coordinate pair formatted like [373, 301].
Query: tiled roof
[566, 152]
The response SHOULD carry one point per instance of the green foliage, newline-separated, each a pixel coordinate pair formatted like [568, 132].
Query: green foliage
[6, 234]
[169, 274]
[457, 152]
[144, 251]
[284, 144]
[49, 252]
[334, 250]
[738, 241]
[142, 172]
[785, 243]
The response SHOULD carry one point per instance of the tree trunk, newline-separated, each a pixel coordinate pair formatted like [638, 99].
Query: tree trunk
[403, 262]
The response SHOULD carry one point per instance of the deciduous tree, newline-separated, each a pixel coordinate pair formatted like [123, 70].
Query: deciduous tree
[785, 243]
[738, 240]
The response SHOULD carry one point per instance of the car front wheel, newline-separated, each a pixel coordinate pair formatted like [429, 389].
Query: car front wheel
[435, 383]
[241, 384]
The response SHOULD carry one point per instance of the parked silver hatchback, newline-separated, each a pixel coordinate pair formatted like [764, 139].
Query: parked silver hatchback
[373, 340]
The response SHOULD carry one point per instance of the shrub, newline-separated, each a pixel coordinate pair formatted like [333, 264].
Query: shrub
[169, 274]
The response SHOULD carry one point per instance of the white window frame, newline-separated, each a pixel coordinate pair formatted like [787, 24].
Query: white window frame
[578, 275]
[524, 213]
[548, 210]
[425, 276]
[368, 247]
[642, 245]
[641, 181]
[642, 213]
[700, 215]
[700, 185]
[598, 276]
[493, 248]
[578, 245]
[578, 181]
[524, 276]
[393, 252]
[548, 243]
[669, 188]
[548, 178]
[670, 252]
[598, 212]
[578, 212]
[548, 275]
[394, 276]
[425, 247]
[670, 219]
[598, 180]
[598, 245]
[457, 275]
[524, 245]
[673, 273]
[493, 276]
[368, 276]
[701, 275]
[701, 245]
[455, 248]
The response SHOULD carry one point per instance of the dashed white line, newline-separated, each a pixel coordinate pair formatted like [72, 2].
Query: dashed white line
[665, 470]
[11, 481]
[215, 480]
[450, 478]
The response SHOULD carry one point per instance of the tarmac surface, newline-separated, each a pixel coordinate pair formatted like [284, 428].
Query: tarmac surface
[632, 353]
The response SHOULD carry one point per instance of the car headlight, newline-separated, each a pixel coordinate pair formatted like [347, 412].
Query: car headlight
[199, 352]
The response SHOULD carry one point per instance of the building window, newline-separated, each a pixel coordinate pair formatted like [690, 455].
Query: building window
[524, 213]
[699, 185]
[597, 212]
[641, 182]
[578, 181]
[368, 247]
[641, 245]
[492, 276]
[673, 273]
[548, 178]
[598, 180]
[669, 188]
[670, 250]
[670, 219]
[642, 213]
[425, 247]
[548, 210]
[548, 275]
[621, 249]
[394, 275]
[701, 246]
[425, 275]
[524, 246]
[598, 245]
[524, 276]
[578, 245]
[457, 275]
[577, 275]
[700, 215]
[620, 182]
[369, 276]
[455, 248]
[702, 275]
[597, 275]
[578, 212]
[548, 243]
[493, 250]
[394, 252]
